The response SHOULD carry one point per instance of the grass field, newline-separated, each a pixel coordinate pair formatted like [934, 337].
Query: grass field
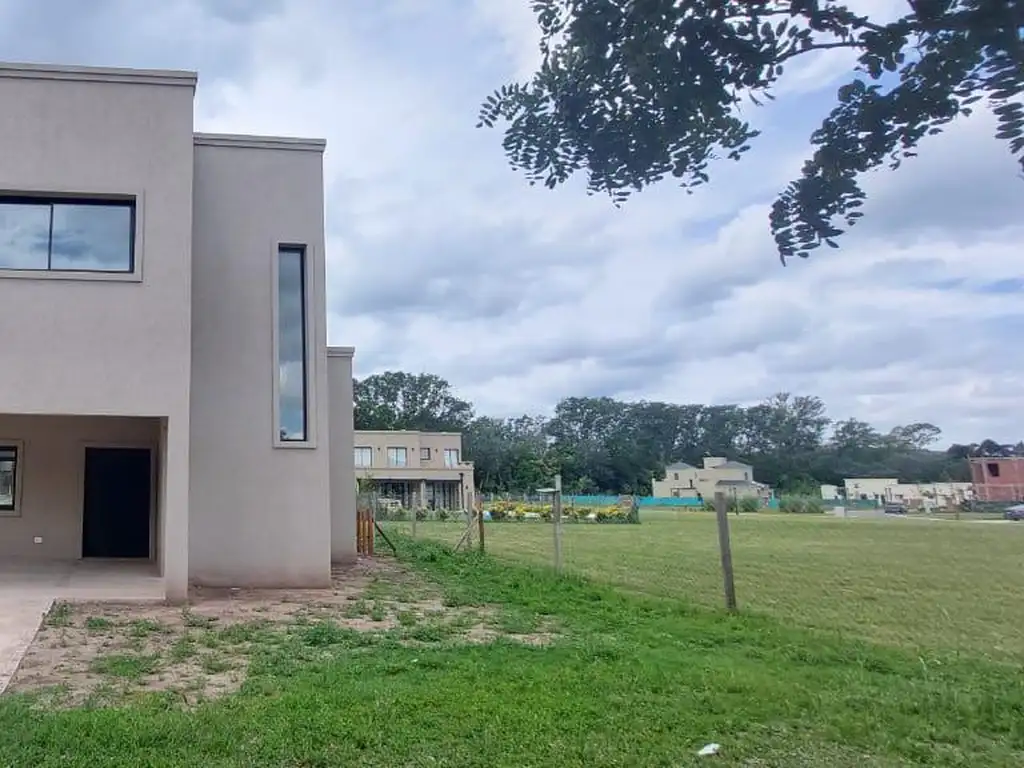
[824, 667]
[938, 587]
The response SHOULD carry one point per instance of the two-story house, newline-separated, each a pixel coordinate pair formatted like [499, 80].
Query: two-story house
[166, 390]
[418, 469]
[734, 478]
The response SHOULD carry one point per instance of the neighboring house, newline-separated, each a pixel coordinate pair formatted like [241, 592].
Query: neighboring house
[686, 481]
[940, 494]
[830, 492]
[998, 478]
[166, 389]
[419, 469]
[868, 488]
[883, 489]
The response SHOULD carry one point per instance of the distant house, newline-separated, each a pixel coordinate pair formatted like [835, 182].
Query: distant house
[868, 488]
[941, 494]
[686, 481]
[998, 478]
[418, 469]
[883, 489]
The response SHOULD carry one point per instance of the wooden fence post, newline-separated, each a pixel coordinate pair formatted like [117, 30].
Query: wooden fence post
[480, 520]
[360, 530]
[725, 546]
[556, 520]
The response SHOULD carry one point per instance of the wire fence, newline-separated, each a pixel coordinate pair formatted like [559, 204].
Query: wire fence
[539, 531]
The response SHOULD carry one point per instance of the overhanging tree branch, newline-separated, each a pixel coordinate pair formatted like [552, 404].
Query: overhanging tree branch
[630, 93]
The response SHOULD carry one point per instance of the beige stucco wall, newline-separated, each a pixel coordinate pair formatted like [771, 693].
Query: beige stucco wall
[260, 514]
[51, 478]
[343, 482]
[413, 442]
[438, 442]
[106, 346]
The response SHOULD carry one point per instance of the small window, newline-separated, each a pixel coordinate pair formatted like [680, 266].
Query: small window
[39, 234]
[363, 457]
[451, 457]
[746, 476]
[424, 454]
[675, 475]
[293, 417]
[8, 479]
[993, 469]
[398, 457]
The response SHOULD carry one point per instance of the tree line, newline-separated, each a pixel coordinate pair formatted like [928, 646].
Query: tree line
[604, 445]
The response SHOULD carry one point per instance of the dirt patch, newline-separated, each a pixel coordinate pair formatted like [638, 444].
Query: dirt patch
[102, 654]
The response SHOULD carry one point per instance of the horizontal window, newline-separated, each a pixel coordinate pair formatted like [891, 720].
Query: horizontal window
[398, 457]
[364, 457]
[8, 479]
[67, 234]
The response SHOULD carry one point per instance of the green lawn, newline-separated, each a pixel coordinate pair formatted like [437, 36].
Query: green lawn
[634, 676]
[938, 587]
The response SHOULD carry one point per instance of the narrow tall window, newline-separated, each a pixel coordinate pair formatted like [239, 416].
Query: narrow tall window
[8, 478]
[293, 417]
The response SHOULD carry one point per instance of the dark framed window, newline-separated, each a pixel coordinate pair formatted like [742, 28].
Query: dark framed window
[67, 234]
[292, 353]
[8, 478]
[424, 454]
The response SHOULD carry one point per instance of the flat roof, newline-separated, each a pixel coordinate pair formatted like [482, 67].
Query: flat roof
[245, 141]
[404, 432]
[33, 71]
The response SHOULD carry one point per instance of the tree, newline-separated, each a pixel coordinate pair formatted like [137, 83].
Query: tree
[919, 435]
[509, 454]
[630, 92]
[398, 400]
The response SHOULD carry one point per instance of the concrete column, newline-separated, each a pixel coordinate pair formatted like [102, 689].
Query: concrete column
[342, 459]
[174, 507]
[423, 494]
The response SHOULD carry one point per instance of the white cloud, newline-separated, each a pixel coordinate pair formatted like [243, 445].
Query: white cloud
[441, 259]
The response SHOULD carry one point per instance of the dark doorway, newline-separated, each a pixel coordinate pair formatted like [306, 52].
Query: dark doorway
[117, 502]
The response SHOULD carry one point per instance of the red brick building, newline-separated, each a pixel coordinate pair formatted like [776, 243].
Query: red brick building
[998, 478]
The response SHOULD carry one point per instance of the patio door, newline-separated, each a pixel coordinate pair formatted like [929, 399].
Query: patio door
[117, 499]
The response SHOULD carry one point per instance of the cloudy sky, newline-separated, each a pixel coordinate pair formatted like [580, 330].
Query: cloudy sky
[441, 259]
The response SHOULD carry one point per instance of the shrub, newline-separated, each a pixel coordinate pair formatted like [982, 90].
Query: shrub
[801, 505]
[749, 504]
